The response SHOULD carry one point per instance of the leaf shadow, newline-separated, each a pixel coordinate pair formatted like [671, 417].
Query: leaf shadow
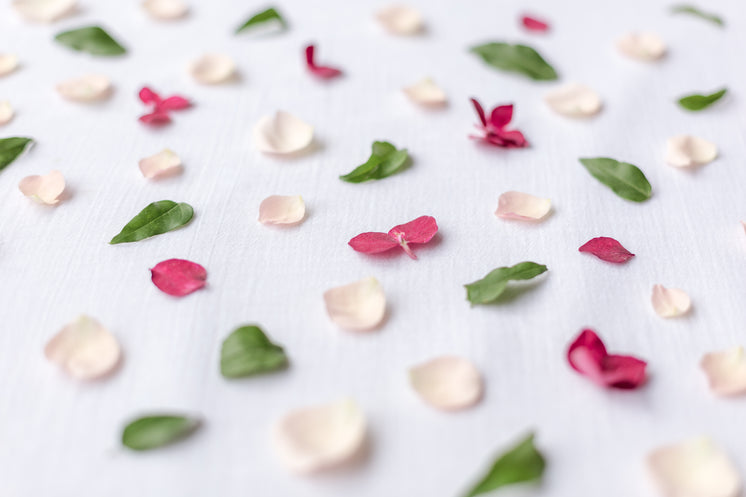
[513, 292]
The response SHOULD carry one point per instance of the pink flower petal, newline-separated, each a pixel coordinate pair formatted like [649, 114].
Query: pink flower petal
[155, 118]
[148, 96]
[44, 10]
[161, 107]
[607, 249]
[401, 20]
[161, 165]
[522, 206]
[44, 189]
[178, 277]
[501, 116]
[84, 349]
[175, 103]
[587, 355]
[6, 112]
[282, 209]
[494, 132]
[447, 382]
[726, 371]
[8, 64]
[421, 230]
[426, 93]
[480, 111]
[210, 69]
[89, 88]
[324, 72]
[533, 24]
[358, 306]
[372, 243]
[670, 302]
[165, 10]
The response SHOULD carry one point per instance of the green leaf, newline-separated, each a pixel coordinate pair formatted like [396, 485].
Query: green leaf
[521, 464]
[489, 288]
[247, 352]
[385, 160]
[263, 17]
[516, 58]
[91, 39]
[623, 178]
[155, 219]
[11, 148]
[691, 9]
[698, 102]
[151, 432]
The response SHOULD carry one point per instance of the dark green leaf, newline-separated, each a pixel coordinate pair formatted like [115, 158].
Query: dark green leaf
[521, 464]
[91, 39]
[385, 160]
[155, 219]
[262, 17]
[699, 102]
[247, 352]
[11, 148]
[516, 58]
[623, 178]
[690, 9]
[151, 432]
[489, 288]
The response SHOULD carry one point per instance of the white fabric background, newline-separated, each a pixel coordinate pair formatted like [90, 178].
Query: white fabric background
[61, 438]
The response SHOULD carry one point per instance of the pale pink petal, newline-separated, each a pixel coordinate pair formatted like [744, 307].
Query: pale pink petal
[358, 306]
[282, 209]
[282, 133]
[6, 112]
[178, 277]
[400, 20]
[89, 88]
[574, 100]
[322, 437]
[670, 302]
[212, 69]
[522, 206]
[687, 151]
[163, 164]
[426, 93]
[694, 468]
[44, 189]
[726, 371]
[165, 10]
[8, 64]
[84, 349]
[642, 46]
[44, 10]
[447, 382]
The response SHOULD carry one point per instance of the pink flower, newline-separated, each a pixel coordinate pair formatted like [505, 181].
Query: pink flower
[421, 230]
[533, 24]
[494, 129]
[161, 107]
[323, 72]
[587, 355]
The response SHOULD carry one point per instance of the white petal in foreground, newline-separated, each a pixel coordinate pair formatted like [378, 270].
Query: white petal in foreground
[161, 165]
[522, 206]
[6, 112]
[165, 10]
[84, 349]
[642, 46]
[213, 69]
[44, 189]
[282, 133]
[357, 306]
[400, 20]
[574, 100]
[670, 302]
[694, 468]
[89, 88]
[320, 437]
[447, 382]
[687, 151]
[44, 10]
[726, 371]
[8, 64]
[426, 93]
[282, 209]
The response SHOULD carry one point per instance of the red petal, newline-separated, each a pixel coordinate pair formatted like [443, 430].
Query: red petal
[587, 355]
[513, 139]
[174, 103]
[324, 72]
[178, 277]
[501, 116]
[148, 96]
[607, 249]
[372, 243]
[156, 118]
[533, 24]
[421, 230]
[480, 111]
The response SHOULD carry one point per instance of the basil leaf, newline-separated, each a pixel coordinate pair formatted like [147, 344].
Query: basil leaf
[385, 160]
[247, 352]
[263, 17]
[623, 178]
[155, 219]
[91, 39]
[151, 432]
[521, 464]
[11, 148]
[698, 102]
[690, 9]
[516, 58]
[489, 288]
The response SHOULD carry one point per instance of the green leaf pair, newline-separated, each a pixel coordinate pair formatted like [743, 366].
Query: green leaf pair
[91, 39]
[623, 178]
[492, 286]
[269, 15]
[248, 352]
[385, 160]
[697, 102]
[520, 59]
[155, 219]
[11, 149]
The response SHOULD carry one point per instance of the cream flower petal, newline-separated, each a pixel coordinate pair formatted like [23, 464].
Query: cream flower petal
[165, 10]
[447, 382]
[6, 112]
[163, 164]
[282, 209]
[670, 302]
[642, 46]
[357, 306]
[320, 437]
[44, 10]
[726, 371]
[400, 20]
[44, 189]
[212, 69]
[89, 88]
[84, 349]
[282, 133]
[8, 64]
[687, 150]
[694, 468]
[426, 93]
[522, 206]
[574, 100]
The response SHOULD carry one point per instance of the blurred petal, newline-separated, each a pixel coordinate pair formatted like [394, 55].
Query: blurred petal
[44, 10]
[8, 64]
[211, 69]
[426, 93]
[587, 355]
[501, 116]
[84, 349]
[89, 88]
[178, 277]
[165, 10]
[607, 249]
[282, 209]
[726, 371]
[447, 382]
[372, 242]
[400, 20]
[574, 100]
[670, 302]
[533, 24]
[163, 164]
[357, 306]
[324, 72]
[642, 46]
[522, 206]
[687, 150]
[282, 133]
[44, 189]
[6, 112]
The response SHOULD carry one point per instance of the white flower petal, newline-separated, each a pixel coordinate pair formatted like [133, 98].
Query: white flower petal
[163, 164]
[212, 69]
[8, 64]
[6, 112]
[642, 46]
[89, 88]
[84, 349]
[694, 468]
[44, 10]
[447, 382]
[427, 93]
[574, 100]
[282, 209]
[400, 20]
[282, 133]
[44, 189]
[357, 306]
[687, 150]
[165, 10]
[726, 371]
[522, 206]
[670, 302]
[320, 437]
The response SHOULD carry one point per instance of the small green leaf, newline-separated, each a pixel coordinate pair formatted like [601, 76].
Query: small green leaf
[91, 39]
[11, 148]
[698, 102]
[385, 160]
[691, 9]
[623, 178]
[247, 352]
[489, 288]
[155, 219]
[516, 58]
[263, 17]
[521, 464]
[151, 432]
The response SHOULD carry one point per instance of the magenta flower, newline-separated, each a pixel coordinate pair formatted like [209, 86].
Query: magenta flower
[494, 129]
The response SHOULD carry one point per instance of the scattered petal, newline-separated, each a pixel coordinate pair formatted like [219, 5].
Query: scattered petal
[6, 112]
[282, 133]
[8, 64]
[401, 20]
[574, 100]
[494, 132]
[607, 249]
[161, 165]
[161, 107]
[165, 10]
[533, 24]
[522, 206]
[421, 230]
[642, 46]
[84, 349]
[44, 10]
[44, 189]
[213, 69]
[587, 355]
[670, 302]
[426, 93]
[726, 371]
[687, 151]
[358, 306]
[88, 88]
[178, 277]
[282, 209]
[323, 72]
[447, 382]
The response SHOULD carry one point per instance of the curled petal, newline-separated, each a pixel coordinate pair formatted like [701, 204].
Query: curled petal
[212, 69]
[587, 355]
[165, 10]
[372, 242]
[687, 151]
[574, 100]
[607, 249]
[323, 72]
[88, 88]
[156, 118]
[84, 349]
[480, 111]
[282, 133]
[642, 46]
[670, 302]
[44, 10]
[44, 189]
[401, 20]
[174, 103]
[533, 24]
[726, 371]
[447, 382]
[501, 116]
[6, 112]
[178, 277]
[358, 306]
[163, 164]
[282, 209]
[426, 93]
[148, 96]
[8, 64]
[522, 206]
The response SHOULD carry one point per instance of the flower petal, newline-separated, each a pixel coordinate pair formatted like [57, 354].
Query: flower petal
[165, 10]
[6, 112]
[726, 371]
[178, 277]
[212, 69]
[426, 93]
[533, 24]
[324, 72]
[8, 64]
[607, 249]
[670, 302]
[687, 150]
[420, 230]
[44, 10]
[574, 100]
[44, 189]
[358, 306]
[175, 102]
[480, 111]
[84, 349]
[282, 209]
[282, 133]
[148, 96]
[89, 88]
[642, 46]
[157, 118]
[372, 242]
[400, 20]
[522, 206]
[447, 382]
[501, 116]
[321, 437]
[161, 165]
[587, 355]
